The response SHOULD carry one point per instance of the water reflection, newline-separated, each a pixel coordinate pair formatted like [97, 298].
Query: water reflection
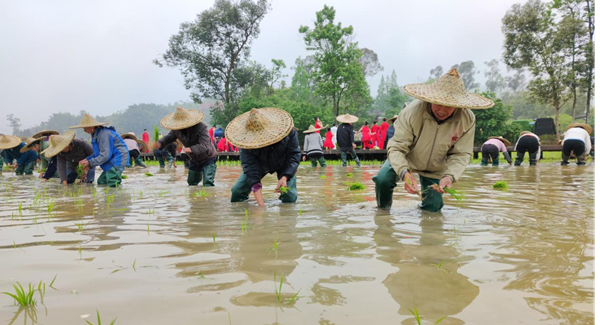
[428, 276]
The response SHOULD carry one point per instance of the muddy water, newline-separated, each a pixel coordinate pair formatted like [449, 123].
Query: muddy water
[159, 252]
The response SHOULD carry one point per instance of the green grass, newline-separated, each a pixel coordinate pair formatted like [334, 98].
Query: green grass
[500, 185]
[100, 321]
[22, 296]
[356, 186]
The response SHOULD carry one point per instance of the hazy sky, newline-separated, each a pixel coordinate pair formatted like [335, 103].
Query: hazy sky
[67, 56]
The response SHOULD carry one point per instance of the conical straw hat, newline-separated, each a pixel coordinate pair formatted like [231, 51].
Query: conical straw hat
[525, 132]
[129, 135]
[30, 142]
[312, 129]
[393, 118]
[506, 142]
[45, 133]
[9, 141]
[58, 142]
[87, 122]
[581, 125]
[347, 118]
[181, 119]
[258, 128]
[143, 146]
[448, 90]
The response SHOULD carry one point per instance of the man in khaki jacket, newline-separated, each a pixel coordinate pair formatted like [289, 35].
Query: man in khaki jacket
[434, 138]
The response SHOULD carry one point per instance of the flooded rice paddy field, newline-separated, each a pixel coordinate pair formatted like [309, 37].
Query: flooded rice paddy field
[159, 252]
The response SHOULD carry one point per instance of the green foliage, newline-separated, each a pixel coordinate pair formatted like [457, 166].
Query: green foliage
[79, 171]
[211, 50]
[156, 133]
[338, 72]
[149, 174]
[492, 121]
[563, 121]
[100, 321]
[284, 189]
[390, 98]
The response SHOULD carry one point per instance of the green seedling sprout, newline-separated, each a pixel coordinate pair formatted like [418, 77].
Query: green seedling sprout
[323, 177]
[275, 247]
[278, 292]
[284, 189]
[300, 210]
[100, 321]
[349, 175]
[356, 186]
[133, 265]
[416, 315]
[79, 171]
[124, 176]
[148, 174]
[500, 185]
[439, 266]
[148, 228]
[200, 193]
[21, 296]
[214, 238]
[52, 283]
[21, 209]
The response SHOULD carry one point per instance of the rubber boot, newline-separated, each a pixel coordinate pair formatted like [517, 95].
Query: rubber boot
[484, 161]
[241, 189]
[194, 177]
[292, 194]
[385, 182]
[209, 175]
[432, 200]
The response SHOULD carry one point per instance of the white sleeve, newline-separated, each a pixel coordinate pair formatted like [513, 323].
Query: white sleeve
[588, 144]
[539, 152]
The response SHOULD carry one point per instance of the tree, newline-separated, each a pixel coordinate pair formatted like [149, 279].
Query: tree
[370, 62]
[14, 123]
[276, 72]
[589, 55]
[517, 82]
[495, 81]
[338, 71]
[210, 50]
[532, 42]
[492, 121]
[436, 73]
[467, 73]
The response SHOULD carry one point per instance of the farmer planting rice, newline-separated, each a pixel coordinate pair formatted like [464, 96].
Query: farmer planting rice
[313, 146]
[528, 142]
[490, 151]
[268, 144]
[110, 152]
[345, 138]
[11, 149]
[131, 141]
[187, 126]
[433, 137]
[44, 145]
[29, 155]
[65, 152]
[577, 142]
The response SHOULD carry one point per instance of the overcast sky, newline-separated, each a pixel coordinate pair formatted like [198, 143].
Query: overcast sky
[72, 55]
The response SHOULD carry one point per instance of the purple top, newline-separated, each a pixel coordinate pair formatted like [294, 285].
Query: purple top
[497, 143]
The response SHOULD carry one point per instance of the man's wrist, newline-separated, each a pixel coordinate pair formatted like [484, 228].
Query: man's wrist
[402, 174]
[451, 177]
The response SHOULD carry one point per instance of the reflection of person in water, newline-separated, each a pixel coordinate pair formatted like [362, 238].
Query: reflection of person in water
[435, 289]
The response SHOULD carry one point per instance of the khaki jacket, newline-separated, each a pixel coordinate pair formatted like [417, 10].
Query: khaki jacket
[432, 150]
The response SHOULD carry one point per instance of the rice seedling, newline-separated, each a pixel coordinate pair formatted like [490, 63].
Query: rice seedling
[200, 193]
[201, 274]
[124, 177]
[323, 177]
[79, 171]
[500, 185]
[300, 210]
[133, 265]
[148, 174]
[80, 226]
[214, 238]
[415, 313]
[294, 298]
[457, 195]
[42, 290]
[275, 247]
[52, 282]
[50, 206]
[148, 229]
[439, 266]
[356, 186]
[100, 321]
[22, 296]
[284, 189]
[349, 175]
[278, 292]
[150, 211]
[21, 209]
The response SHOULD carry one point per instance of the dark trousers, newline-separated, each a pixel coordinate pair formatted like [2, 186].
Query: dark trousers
[241, 190]
[134, 155]
[352, 153]
[162, 155]
[489, 152]
[530, 145]
[202, 172]
[317, 157]
[578, 149]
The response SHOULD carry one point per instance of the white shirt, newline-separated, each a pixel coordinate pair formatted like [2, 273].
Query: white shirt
[581, 135]
[334, 131]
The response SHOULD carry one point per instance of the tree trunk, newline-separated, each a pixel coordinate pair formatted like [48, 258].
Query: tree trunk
[556, 122]
[589, 100]
[574, 103]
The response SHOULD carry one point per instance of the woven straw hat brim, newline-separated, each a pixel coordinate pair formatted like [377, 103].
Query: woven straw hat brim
[143, 146]
[277, 125]
[506, 142]
[347, 118]
[45, 133]
[173, 121]
[90, 125]
[431, 94]
[588, 128]
[9, 141]
[30, 142]
[130, 136]
[312, 129]
[57, 143]
[525, 132]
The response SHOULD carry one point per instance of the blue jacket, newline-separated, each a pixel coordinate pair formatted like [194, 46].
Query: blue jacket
[109, 149]
[27, 157]
[13, 153]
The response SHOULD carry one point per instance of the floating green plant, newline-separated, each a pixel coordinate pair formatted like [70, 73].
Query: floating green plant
[100, 321]
[21, 296]
[500, 185]
[148, 174]
[356, 186]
